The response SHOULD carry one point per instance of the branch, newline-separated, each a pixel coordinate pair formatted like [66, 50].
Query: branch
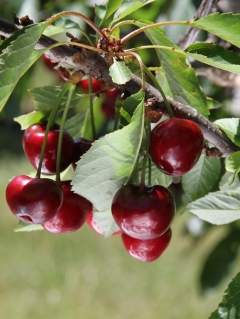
[94, 64]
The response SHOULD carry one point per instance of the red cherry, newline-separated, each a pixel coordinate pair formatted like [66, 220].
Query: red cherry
[33, 200]
[143, 214]
[96, 85]
[108, 105]
[72, 214]
[47, 61]
[32, 144]
[147, 250]
[97, 229]
[176, 145]
[81, 146]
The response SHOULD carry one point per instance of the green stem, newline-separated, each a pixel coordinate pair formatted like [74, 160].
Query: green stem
[149, 170]
[146, 27]
[90, 88]
[116, 119]
[160, 90]
[50, 123]
[64, 117]
[147, 126]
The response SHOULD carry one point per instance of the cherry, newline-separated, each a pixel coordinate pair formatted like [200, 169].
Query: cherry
[32, 144]
[81, 146]
[33, 200]
[176, 145]
[147, 250]
[143, 214]
[96, 85]
[94, 226]
[72, 214]
[108, 104]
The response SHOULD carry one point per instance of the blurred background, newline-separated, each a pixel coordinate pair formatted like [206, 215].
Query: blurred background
[83, 275]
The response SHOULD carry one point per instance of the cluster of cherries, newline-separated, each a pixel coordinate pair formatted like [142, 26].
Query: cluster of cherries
[143, 213]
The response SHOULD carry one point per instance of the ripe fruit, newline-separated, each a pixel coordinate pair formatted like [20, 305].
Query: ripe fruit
[33, 200]
[72, 214]
[147, 250]
[81, 146]
[94, 226]
[143, 214]
[96, 85]
[108, 105]
[176, 145]
[32, 144]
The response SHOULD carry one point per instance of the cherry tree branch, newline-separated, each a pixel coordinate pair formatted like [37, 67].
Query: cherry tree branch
[96, 65]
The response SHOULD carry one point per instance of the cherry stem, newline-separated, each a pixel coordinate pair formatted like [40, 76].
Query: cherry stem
[149, 170]
[90, 90]
[71, 89]
[146, 27]
[50, 123]
[160, 90]
[147, 125]
[116, 119]
[136, 56]
[80, 15]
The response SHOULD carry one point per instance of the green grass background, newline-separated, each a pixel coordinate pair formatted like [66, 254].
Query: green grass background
[83, 275]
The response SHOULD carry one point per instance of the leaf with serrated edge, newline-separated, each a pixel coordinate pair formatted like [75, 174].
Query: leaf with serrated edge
[22, 227]
[128, 108]
[225, 26]
[119, 72]
[231, 127]
[109, 163]
[201, 178]
[129, 6]
[229, 307]
[215, 56]
[232, 162]
[29, 119]
[76, 125]
[219, 208]
[105, 222]
[17, 59]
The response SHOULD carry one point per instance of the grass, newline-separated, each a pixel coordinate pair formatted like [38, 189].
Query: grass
[83, 275]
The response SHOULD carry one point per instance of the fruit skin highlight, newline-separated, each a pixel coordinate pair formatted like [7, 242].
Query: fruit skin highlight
[72, 214]
[33, 200]
[147, 250]
[176, 145]
[144, 214]
[32, 144]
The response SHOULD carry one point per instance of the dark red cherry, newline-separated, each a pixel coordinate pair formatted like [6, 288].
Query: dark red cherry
[144, 214]
[96, 85]
[147, 250]
[176, 145]
[32, 144]
[108, 104]
[90, 221]
[72, 214]
[81, 146]
[34, 200]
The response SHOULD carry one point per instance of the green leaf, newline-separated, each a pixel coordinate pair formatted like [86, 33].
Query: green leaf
[158, 178]
[232, 164]
[219, 208]
[105, 222]
[76, 125]
[129, 6]
[231, 127]
[215, 56]
[22, 227]
[17, 59]
[229, 307]
[103, 12]
[181, 78]
[119, 72]
[128, 108]
[60, 25]
[202, 177]
[219, 261]
[225, 26]
[109, 163]
[29, 119]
